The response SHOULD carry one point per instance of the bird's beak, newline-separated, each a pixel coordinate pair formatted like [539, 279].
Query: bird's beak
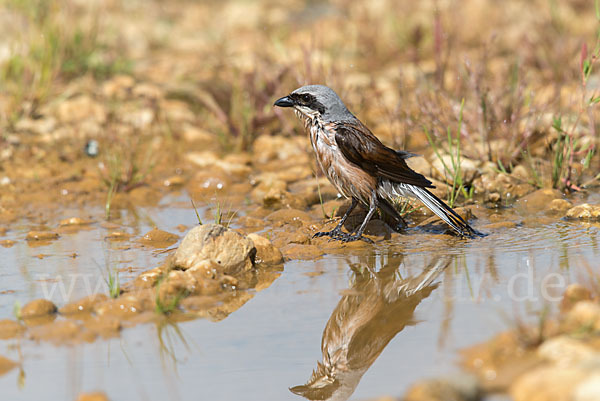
[284, 102]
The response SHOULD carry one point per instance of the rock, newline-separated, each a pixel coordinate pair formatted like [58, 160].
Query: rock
[194, 134]
[559, 206]
[520, 190]
[81, 108]
[295, 173]
[118, 236]
[229, 250]
[268, 182]
[149, 278]
[266, 148]
[38, 126]
[250, 222]
[205, 279]
[148, 91]
[125, 307]
[278, 199]
[315, 192]
[500, 184]
[202, 159]
[176, 284]
[38, 307]
[329, 209]
[83, 305]
[468, 169]
[74, 221]
[493, 197]
[118, 87]
[584, 212]
[584, 314]
[499, 226]
[265, 251]
[521, 173]
[10, 329]
[140, 119]
[206, 160]
[242, 158]
[303, 252]
[41, 236]
[208, 182]
[291, 236]
[588, 389]
[548, 383]
[460, 387]
[539, 200]
[177, 111]
[174, 181]
[294, 217]
[565, 351]
[573, 294]
[420, 165]
[95, 396]
[158, 238]
[6, 243]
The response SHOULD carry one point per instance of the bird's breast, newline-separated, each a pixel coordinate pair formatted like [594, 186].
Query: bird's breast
[348, 179]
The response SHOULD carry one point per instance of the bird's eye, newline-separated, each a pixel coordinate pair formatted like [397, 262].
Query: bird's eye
[305, 98]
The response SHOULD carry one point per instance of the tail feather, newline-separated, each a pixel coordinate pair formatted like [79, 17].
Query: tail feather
[443, 211]
[390, 190]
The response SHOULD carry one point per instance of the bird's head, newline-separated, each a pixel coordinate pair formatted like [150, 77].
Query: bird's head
[316, 101]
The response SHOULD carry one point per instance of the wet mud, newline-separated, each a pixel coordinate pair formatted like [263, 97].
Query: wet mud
[157, 223]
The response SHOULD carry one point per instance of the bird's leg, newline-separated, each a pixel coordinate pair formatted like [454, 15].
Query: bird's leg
[337, 231]
[361, 229]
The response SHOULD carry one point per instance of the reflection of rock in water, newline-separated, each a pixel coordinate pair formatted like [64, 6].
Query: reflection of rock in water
[375, 309]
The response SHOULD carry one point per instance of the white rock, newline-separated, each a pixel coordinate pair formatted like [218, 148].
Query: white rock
[229, 250]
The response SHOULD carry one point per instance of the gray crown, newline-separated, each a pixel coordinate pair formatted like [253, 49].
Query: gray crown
[335, 109]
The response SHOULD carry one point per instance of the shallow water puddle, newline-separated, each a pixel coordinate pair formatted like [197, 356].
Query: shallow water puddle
[388, 315]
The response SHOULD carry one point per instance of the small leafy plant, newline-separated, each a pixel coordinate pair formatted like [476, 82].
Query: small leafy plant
[454, 169]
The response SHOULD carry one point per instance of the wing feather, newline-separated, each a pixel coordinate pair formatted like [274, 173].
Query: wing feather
[362, 148]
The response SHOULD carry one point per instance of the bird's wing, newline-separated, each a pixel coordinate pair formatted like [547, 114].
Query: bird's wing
[363, 148]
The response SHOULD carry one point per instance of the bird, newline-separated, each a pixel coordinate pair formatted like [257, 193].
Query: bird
[360, 166]
[377, 306]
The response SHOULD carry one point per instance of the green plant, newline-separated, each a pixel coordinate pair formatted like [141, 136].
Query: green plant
[230, 215]
[564, 150]
[537, 180]
[113, 282]
[454, 170]
[567, 146]
[109, 197]
[196, 211]
[17, 310]
[165, 307]
[126, 166]
[169, 333]
[405, 207]
[53, 51]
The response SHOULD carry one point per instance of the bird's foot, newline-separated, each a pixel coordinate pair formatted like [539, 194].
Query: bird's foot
[352, 237]
[339, 235]
[336, 232]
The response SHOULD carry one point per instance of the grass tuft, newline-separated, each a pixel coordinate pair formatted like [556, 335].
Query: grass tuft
[454, 170]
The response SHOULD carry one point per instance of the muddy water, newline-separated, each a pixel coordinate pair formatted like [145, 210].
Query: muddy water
[383, 316]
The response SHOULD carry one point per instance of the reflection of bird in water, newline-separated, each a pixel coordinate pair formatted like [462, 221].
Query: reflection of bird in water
[377, 307]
